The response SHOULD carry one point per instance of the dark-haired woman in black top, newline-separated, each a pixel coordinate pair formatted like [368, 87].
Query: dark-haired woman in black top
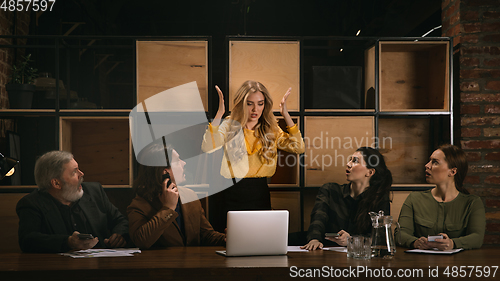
[344, 209]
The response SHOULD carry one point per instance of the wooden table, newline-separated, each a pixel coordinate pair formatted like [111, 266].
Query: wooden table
[201, 263]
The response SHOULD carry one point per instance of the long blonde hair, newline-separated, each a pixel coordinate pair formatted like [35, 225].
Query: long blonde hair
[267, 127]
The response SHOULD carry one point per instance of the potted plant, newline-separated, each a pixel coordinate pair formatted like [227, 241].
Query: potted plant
[20, 87]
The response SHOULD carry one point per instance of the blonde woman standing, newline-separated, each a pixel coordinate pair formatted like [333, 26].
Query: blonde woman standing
[251, 137]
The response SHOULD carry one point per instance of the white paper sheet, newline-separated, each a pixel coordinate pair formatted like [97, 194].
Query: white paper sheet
[296, 249]
[98, 253]
[435, 252]
[336, 249]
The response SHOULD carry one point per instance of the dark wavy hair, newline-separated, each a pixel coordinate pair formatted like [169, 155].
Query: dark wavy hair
[456, 158]
[148, 183]
[378, 191]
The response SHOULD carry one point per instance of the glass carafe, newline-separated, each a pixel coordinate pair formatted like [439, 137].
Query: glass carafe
[383, 245]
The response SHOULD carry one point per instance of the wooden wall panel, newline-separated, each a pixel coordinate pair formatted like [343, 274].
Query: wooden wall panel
[65, 135]
[438, 70]
[287, 167]
[275, 64]
[413, 76]
[9, 242]
[329, 143]
[101, 146]
[398, 198]
[288, 201]
[370, 77]
[405, 145]
[162, 65]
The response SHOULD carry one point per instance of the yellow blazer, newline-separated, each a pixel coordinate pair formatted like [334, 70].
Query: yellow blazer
[250, 165]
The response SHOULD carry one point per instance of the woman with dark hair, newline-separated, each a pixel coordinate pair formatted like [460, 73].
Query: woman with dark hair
[448, 209]
[162, 213]
[344, 208]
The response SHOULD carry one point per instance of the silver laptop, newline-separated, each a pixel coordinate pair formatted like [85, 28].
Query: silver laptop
[256, 233]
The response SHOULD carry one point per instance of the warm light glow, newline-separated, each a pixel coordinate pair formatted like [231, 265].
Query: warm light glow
[10, 173]
[341, 50]
[359, 31]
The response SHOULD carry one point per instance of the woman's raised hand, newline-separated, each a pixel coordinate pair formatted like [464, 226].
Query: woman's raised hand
[284, 110]
[221, 110]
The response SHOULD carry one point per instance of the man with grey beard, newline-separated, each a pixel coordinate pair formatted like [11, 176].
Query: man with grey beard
[52, 217]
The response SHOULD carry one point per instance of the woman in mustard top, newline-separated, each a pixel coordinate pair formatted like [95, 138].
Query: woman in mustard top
[251, 137]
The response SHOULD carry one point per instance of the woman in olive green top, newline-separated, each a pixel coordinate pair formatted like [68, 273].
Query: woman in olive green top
[448, 209]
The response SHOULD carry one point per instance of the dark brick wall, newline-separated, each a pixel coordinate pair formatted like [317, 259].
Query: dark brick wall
[475, 28]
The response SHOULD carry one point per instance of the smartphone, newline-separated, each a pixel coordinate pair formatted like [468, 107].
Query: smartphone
[433, 238]
[164, 177]
[332, 235]
[85, 236]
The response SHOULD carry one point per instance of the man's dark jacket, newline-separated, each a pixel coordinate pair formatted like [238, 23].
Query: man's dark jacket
[42, 228]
